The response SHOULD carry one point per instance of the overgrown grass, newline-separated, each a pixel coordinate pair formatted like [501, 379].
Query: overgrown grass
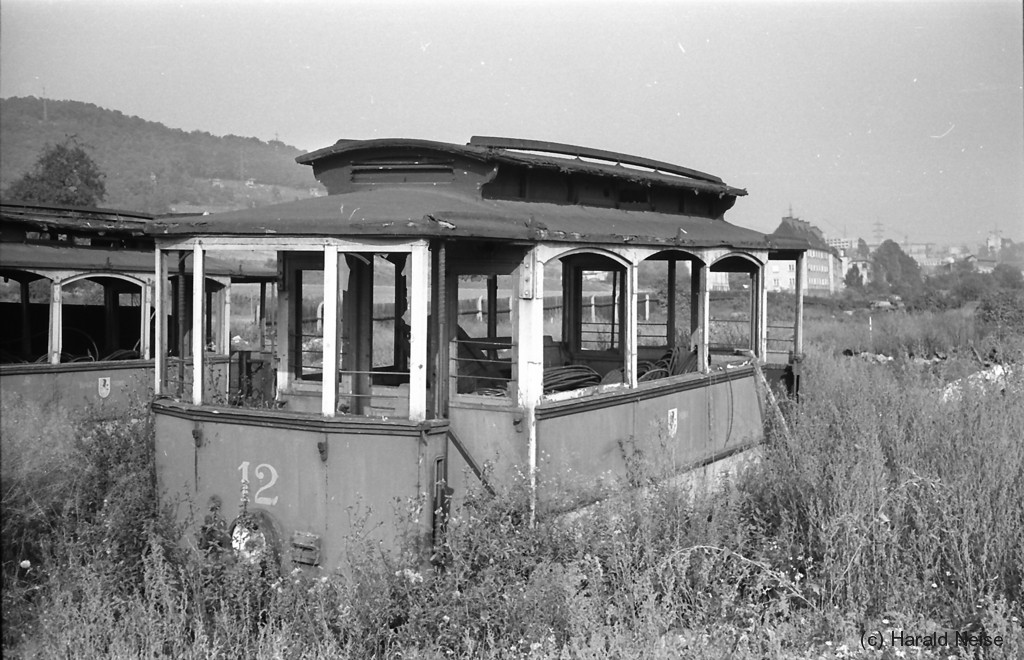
[883, 507]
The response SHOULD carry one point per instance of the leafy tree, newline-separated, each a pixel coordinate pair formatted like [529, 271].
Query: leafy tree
[63, 174]
[1004, 310]
[1013, 254]
[1008, 277]
[863, 251]
[853, 279]
[892, 266]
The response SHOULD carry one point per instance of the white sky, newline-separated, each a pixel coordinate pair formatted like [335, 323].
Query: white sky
[909, 114]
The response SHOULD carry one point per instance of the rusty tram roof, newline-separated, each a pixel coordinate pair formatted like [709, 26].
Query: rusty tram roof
[432, 212]
[425, 210]
[538, 154]
[83, 220]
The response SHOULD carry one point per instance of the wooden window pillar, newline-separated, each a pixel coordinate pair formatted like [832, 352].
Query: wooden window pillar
[145, 302]
[670, 321]
[631, 324]
[54, 346]
[160, 327]
[285, 280]
[198, 314]
[798, 322]
[419, 273]
[701, 277]
[529, 355]
[329, 394]
[761, 280]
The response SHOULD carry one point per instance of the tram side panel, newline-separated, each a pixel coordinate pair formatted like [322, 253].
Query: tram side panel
[101, 390]
[495, 438]
[648, 434]
[320, 491]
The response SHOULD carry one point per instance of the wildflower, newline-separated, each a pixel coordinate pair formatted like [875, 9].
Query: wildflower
[412, 576]
[934, 586]
[26, 564]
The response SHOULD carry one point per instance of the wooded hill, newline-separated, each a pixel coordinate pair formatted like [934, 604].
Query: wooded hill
[150, 167]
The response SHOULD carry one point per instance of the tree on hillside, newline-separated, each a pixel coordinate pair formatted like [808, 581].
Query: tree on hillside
[63, 174]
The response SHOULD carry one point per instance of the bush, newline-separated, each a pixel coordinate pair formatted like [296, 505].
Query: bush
[75, 492]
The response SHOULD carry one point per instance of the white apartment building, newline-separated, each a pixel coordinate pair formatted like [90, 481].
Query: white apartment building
[824, 274]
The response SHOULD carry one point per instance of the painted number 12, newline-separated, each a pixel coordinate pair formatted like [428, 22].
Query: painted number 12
[262, 474]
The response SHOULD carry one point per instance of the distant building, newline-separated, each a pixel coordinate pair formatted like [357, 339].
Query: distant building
[825, 272]
[863, 267]
[986, 265]
[842, 244]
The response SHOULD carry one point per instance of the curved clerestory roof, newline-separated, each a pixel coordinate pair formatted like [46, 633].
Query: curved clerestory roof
[459, 212]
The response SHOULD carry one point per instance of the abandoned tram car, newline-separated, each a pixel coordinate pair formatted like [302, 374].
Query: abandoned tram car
[450, 313]
[76, 295]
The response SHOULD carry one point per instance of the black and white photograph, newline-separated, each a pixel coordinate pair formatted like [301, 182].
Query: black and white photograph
[639, 329]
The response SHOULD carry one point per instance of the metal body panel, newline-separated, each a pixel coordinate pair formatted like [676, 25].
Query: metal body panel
[341, 480]
[661, 428]
[104, 389]
[493, 436]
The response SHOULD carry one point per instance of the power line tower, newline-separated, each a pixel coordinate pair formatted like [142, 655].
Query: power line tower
[878, 232]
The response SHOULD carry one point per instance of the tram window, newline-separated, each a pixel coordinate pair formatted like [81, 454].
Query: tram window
[307, 328]
[590, 347]
[372, 339]
[484, 335]
[600, 324]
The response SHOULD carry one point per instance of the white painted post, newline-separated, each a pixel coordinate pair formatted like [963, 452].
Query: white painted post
[419, 290]
[632, 326]
[198, 314]
[798, 330]
[160, 330]
[647, 307]
[56, 322]
[329, 319]
[593, 310]
[762, 313]
[704, 313]
[225, 348]
[480, 309]
[283, 335]
[530, 357]
[145, 301]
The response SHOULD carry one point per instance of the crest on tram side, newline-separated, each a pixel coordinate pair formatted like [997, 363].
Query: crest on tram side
[103, 386]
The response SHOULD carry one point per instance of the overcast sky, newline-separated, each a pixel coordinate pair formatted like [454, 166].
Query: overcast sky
[906, 114]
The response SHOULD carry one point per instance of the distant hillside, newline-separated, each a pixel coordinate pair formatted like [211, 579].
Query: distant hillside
[151, 167]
